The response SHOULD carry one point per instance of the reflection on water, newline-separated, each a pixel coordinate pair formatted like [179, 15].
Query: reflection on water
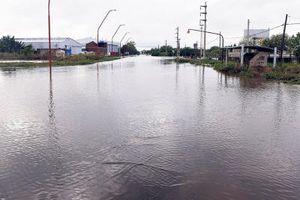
[147, 128]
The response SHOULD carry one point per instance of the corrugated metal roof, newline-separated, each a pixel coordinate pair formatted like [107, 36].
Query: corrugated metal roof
[45, 40]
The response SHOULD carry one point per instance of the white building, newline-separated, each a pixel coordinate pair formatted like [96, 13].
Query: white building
[113, 48]
[69, 45]
[257, 33]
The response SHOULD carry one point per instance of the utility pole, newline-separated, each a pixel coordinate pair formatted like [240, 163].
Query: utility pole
[178, 42]
[248, 32]
[201, 39]
[49, 38]
[205, 25]
[283, 39]
[166, 47]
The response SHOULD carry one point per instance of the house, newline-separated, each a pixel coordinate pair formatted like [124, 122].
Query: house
[103, 48]
[99, 50]
[254, 56]
[41, 45]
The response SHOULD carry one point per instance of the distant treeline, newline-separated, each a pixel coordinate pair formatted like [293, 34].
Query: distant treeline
[213, 52]
[129, 49]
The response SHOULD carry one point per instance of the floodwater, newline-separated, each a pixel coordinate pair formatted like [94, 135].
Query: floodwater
[146, 128]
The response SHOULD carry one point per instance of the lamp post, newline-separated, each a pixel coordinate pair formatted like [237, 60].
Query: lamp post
[49, 38]
[122, 41]
[112, 10]
[112, 39]
[219, 34]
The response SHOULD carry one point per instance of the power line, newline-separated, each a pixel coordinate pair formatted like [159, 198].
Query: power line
[297, 23]
[213, 40]
[265, 31]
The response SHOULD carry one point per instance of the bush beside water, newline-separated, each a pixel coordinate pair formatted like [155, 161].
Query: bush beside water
[288, 73]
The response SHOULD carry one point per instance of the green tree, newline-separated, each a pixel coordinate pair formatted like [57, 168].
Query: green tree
[189, 52]
[10, 45]
[214, 52]
[297, 52]
[130, 49]
[275, 41]
[294, 45]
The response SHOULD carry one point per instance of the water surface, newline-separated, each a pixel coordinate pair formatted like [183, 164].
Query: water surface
[146, 128]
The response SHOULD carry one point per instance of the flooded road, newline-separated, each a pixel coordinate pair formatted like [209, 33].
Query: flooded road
[146, 128]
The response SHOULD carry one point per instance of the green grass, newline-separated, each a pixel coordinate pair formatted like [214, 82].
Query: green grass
[72, 61]
[288, 73]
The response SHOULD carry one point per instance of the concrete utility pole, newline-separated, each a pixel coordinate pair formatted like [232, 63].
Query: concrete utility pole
[201, 39]
[178, 42]
[242, 55]
[283, 39]
[205, 25]
[49, 38]
[248, 32]
[103, 22]
[275, 57]
[166, 47]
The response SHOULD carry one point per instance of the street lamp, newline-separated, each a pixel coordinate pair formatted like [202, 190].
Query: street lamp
[49, 37]
[219, 34]
[112, 10]
[112, 39]
[122, 41]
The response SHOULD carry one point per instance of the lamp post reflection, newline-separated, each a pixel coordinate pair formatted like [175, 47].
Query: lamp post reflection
[98, 87]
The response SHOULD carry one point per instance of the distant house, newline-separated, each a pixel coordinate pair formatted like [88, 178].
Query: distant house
[68, 45]
[254, 56]
[99, 50]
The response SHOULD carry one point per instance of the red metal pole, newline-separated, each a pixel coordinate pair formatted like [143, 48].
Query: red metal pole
[49, 36]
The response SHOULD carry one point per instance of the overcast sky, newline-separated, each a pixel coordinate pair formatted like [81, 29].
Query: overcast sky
[150, 22]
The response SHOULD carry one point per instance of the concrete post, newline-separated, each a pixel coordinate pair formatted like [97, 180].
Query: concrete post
[242, 55]
[275, 57]
[226, 58]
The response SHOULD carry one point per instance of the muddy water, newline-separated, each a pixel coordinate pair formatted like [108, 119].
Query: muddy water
[146, 128]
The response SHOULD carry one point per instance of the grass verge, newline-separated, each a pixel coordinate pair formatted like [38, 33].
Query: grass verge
[288, 73]
[70, 61]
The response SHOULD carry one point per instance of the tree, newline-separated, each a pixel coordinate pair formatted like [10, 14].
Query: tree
[294, 45]
[297, 52]
[167, 51]
[275, 41]
[214, 52]
[129, 49]
[189, 52]
[8, 44]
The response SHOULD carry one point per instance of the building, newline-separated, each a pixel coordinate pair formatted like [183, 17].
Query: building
[41, 45]
[257, 35]
[113, 48]
[253, 56]
[91, 46]
[99, 50]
